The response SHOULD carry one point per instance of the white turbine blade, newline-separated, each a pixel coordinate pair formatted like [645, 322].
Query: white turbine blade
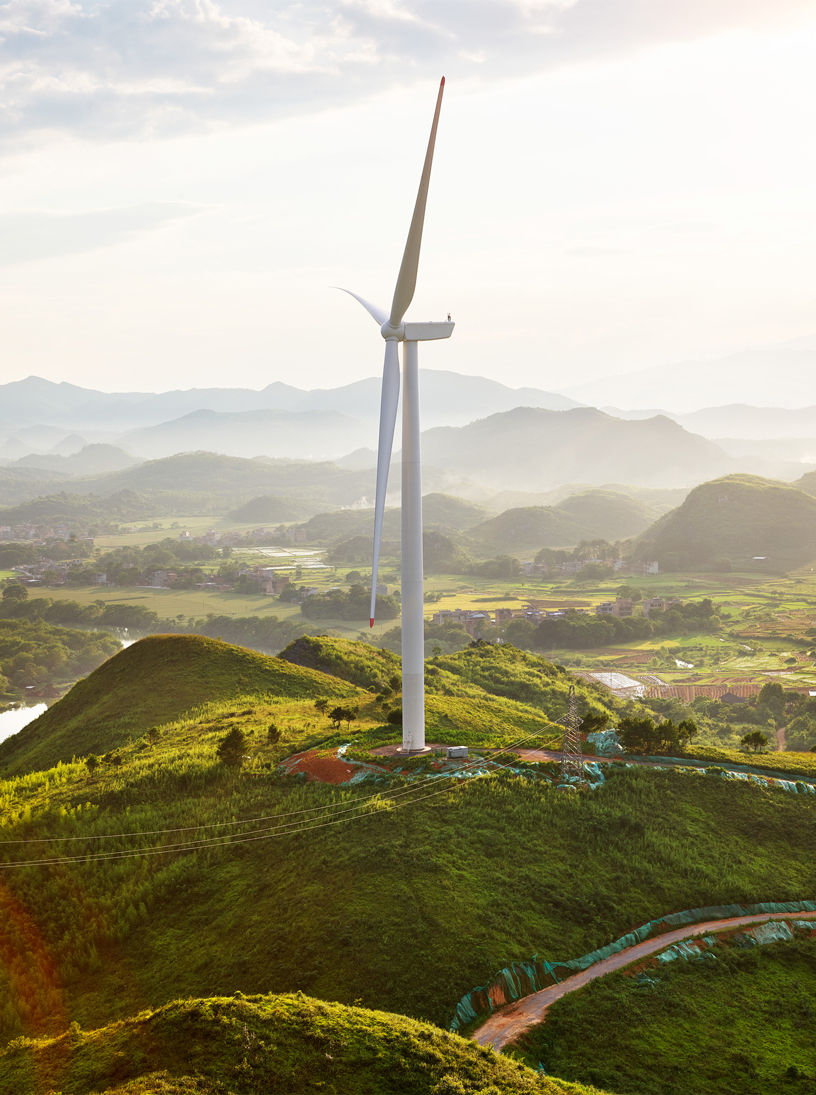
[388, 419]
[372, 309]
[407, 277]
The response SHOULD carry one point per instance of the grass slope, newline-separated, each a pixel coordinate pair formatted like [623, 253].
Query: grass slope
[457, 709]
[263, 1044]
[359, 663]
[737, 517]
[520, 676]
[371, 909]
[745, 1022]
[153, 682]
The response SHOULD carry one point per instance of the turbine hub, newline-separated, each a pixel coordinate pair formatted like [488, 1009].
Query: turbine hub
[392, 334]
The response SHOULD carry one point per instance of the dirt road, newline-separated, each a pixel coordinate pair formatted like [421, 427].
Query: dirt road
[508, 1024]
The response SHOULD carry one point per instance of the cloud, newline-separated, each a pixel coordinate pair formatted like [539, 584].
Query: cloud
[124, 68]
[29, 235]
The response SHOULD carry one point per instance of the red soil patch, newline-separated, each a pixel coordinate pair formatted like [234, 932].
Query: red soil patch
[325, 769]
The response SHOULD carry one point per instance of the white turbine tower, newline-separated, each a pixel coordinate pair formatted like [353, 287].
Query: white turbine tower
[394, 331]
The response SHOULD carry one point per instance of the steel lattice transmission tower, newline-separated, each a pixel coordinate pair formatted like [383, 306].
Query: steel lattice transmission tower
[572, 759]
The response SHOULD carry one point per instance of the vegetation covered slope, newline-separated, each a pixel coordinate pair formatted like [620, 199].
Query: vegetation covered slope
[265, 1044]
[478, 673]
[359, 663]
[749, 1014]
[153, 682]
[737, 517]
[365, 898]
[590, 515]
[518, 675]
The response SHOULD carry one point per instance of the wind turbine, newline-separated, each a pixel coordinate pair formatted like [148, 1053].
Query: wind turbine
[394, 331]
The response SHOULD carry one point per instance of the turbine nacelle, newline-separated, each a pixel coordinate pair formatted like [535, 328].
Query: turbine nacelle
[417, 332]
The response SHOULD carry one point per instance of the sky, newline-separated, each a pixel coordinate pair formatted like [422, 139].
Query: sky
[617, 184]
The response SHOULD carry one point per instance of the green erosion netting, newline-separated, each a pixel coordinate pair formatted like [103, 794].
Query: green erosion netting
[520, 979]
[731, 766]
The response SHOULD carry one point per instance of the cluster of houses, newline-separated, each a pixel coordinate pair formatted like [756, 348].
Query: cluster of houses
[34, 574]
[39, 534]
[624, 606]
[474, 622]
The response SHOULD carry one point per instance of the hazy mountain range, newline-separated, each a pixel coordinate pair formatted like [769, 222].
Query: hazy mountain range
[480, 436]
[773, 376]
[447, 398]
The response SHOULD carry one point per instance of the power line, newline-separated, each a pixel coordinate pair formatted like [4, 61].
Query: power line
[289, 829]
[342, 807]
[220, 842]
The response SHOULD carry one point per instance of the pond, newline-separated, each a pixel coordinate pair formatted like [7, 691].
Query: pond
[13, 721]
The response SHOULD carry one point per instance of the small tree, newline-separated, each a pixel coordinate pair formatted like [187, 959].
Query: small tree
[273, 733]
[395, 716]
[756, 740]
[321, 705]
[395, 680]
[92, 762]
[232, 748]
[688, 729]
[15, 593]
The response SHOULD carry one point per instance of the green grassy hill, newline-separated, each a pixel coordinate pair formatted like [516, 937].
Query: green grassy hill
[266, 1044]
[737, 518]
[152, 682]
[486, 692]
[400, 903]
[590, 515]
[359, 663]
[390, 895]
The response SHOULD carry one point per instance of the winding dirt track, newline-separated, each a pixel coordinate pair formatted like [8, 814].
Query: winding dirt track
[508, 1024]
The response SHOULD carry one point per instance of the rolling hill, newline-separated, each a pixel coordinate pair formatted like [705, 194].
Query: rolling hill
[590, 515]
[755, 523]
[534, 450]
[439, 511]
[155, 681]
[260, 1045]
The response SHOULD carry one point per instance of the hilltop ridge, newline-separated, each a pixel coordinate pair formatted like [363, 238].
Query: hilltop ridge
[155, 681]
[744, 519]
